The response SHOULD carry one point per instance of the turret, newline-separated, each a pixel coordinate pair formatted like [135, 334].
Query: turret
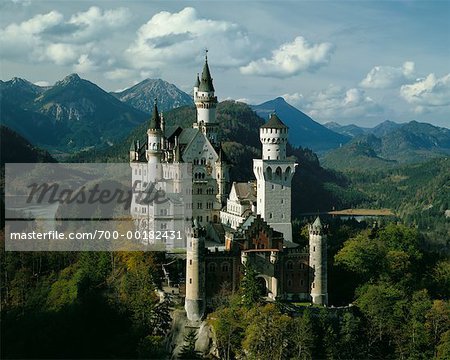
[154, 148]
[274, 136]
[222, 171]
[195, 274]
[133, 151]
[274, 173]
[318, 262]
[196, 85]
[206, 102]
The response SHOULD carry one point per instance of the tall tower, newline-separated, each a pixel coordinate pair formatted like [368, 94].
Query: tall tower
[318, 262]
[154, 145]
[274, 176]
[206, 103]
[195, 274]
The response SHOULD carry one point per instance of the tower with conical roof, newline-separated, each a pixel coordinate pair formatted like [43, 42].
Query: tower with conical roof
[194, 302]
[206, 103]
[318, 262]
[154, 144]
[274, 174]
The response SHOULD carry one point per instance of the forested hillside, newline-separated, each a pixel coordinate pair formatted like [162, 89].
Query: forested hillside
[419, 194]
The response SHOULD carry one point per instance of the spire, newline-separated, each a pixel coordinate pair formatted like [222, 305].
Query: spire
[155, 121]
[317, 223]
[206, 84]
[197, 82]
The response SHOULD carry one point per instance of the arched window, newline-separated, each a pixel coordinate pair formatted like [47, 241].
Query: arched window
[225, 267]
[289, 265]
[278, 172]
[269, 173]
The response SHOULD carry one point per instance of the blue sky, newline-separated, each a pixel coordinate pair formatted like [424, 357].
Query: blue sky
[349, 62]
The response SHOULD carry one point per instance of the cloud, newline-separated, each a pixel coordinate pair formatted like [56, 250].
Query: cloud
[178, 38]
[293, 99]
[427, 92]
[291, 59]
[96, 23]
[24, 40]
[42, 83]
[76, 42]
[383, 77]
[61, 54]
[337, 103]
[120, 74]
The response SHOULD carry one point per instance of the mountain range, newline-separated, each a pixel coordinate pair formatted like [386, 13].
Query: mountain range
[389, 144]
[141, 95]
[75, 114]
[303, 131]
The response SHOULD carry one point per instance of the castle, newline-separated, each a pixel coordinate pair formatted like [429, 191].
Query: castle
[247, 224]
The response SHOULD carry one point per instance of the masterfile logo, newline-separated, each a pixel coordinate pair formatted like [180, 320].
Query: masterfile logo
[83, 207]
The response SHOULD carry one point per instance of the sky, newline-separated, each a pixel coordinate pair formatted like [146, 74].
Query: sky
[355, 62]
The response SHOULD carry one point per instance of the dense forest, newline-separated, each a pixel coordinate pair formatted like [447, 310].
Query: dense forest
[105, 305]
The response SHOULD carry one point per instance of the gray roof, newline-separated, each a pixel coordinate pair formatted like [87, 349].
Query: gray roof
[274, 123]
[155, 121]
[187, 135]
[197, 82]
[245, 191]
[317, 223]
[206, 83]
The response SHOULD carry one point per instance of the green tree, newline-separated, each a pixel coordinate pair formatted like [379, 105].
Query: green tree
[250, 288]
[303, 336]
[188, 350]
[266, 336]
[228, 324]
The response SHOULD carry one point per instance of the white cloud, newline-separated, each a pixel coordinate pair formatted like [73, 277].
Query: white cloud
[120, 74]
[172, 38]
[42, 83]
[427, 92]
[24, 39]
[383, 77]
[338, 103]
[76, 42]
[95, 23]
[291, 59]
[294, 99]
[61, 54]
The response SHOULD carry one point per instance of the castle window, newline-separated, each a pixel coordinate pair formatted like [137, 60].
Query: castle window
[199, 191]
[282, 201]
[190, 280]
[270, 215]
[212, 267]
[190, 262]
[289, 265]
[314, 285]
[273, 186]
[301, 282]
[289, 283]
[225, 267]
[314, 248]
[199, 205]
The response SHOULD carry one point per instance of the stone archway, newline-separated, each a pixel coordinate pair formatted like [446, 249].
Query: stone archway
[263, 285]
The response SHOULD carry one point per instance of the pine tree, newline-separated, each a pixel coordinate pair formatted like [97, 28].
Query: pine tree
[250, 288]
[188, 350]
